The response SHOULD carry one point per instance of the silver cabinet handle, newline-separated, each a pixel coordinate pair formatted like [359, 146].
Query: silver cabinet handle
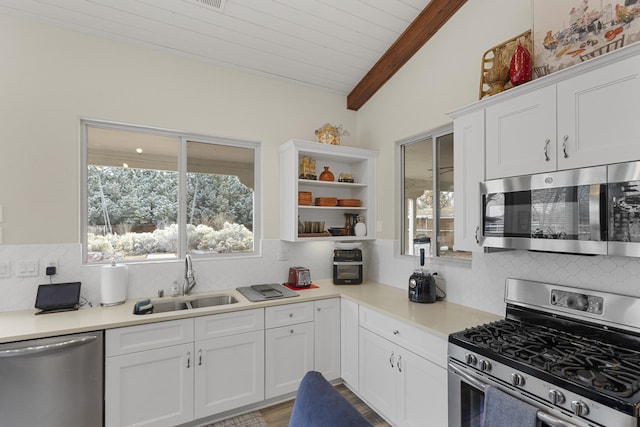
[46, 348]
[564, 146]
[546, 149]
[396, 332]
[188, 360]
[391, 360]
[476, 235]
[200, 357]
[398, 363]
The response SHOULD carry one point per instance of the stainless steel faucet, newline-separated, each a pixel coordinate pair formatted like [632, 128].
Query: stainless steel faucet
[189, 278]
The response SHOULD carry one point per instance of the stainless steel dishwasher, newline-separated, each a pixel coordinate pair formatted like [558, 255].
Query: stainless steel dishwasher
[53, 382]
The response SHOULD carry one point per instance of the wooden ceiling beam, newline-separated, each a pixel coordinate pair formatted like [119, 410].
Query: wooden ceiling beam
[426, 24]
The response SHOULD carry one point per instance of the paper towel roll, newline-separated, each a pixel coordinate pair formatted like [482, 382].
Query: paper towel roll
[113, 285]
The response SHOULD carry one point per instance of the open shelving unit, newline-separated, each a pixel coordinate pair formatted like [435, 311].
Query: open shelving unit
[358, 162]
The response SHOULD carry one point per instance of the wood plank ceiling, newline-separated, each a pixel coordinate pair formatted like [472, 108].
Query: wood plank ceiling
[350, 47]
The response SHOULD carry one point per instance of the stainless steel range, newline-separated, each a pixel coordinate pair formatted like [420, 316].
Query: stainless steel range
[573, 354]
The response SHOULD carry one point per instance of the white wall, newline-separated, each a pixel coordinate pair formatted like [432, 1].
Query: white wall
[51, 77]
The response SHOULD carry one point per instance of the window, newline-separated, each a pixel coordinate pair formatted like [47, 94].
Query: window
[427, 197]
[152, 194]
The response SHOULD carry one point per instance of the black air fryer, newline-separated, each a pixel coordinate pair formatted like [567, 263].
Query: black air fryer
[422, 284]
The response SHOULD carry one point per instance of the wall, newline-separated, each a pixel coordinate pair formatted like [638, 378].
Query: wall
[443, 76]
[51, 77]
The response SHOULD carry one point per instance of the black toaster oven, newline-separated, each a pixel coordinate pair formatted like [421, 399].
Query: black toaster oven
[347, 266]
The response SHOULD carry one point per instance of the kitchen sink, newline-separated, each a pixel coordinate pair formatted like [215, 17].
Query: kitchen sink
[160, 306]
[213, 301]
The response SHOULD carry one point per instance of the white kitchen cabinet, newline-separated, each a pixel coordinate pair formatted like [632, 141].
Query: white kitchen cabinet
[147, 382]
[520, 134]
[168, 373]
[597, 116]
[402, 371]
[327, 337]
[358, 162]
[468, 131]
[229, 361]
[585, 118]
[349, 343]
[289, 347]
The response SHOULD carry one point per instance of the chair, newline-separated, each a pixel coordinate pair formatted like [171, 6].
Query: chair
[319, 404]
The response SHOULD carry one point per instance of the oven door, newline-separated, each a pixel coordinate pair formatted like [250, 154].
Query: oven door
[466, 401]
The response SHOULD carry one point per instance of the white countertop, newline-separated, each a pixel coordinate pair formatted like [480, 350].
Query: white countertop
[440, 318]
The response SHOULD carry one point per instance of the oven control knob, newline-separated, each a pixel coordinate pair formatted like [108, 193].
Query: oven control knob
[556, 397]
[579, 408]
[471, 359]
[517, 380]
[485, 365]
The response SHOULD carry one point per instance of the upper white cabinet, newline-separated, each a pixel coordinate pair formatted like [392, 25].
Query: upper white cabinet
[520, 134]
[582, 117]
[359, 163]
[597, 116]
[468, 153]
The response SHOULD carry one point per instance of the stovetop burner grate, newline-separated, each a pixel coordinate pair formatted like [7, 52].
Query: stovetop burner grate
[590, 363]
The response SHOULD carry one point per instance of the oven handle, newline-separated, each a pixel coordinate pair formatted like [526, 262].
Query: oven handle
[543, 417]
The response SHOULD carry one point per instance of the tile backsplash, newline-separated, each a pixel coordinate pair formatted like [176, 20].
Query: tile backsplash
[479, 285]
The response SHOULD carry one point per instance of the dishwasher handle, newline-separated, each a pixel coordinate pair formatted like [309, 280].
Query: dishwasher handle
[47, 348]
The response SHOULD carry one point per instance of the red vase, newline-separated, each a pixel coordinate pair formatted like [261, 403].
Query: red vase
[520, 67]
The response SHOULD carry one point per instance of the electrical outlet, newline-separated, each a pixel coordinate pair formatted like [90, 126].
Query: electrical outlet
[5, 269]
[51, 262]
[283, 253]
[26, 268]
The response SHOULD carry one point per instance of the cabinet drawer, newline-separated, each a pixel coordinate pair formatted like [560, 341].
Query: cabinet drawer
[220, 325]
[289, 314]
[410, 337]
[147, 337]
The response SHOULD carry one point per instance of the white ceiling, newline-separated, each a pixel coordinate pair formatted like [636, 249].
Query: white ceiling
[329, 44]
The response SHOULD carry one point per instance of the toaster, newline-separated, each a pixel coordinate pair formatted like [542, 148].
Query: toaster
[299, 277]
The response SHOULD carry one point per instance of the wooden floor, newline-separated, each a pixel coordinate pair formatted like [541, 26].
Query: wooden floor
[278, 415]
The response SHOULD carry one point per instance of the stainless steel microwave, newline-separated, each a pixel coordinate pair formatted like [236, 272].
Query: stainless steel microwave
[592, 210]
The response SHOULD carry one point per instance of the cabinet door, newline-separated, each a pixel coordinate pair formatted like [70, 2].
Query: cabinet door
[597, 116]
[150, 388]
[229, 373]
[288, 356]
[468, 157]
[422, 392]
[377, 374]
[349, 343]
[327, 337]
[521, 134]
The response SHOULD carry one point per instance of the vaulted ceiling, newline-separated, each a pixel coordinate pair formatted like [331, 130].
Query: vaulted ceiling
[351, 47]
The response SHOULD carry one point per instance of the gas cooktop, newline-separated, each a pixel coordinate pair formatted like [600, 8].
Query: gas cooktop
[582, 360]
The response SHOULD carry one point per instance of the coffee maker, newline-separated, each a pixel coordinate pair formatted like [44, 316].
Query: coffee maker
[422, 284]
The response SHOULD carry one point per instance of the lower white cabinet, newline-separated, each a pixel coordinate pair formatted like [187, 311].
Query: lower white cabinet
[349, 343]
[164, 373]
[399, 384]
[327, 337]
[152, 387]
[288, 348]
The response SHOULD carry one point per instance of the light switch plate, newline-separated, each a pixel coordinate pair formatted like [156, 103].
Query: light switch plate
[26, 268]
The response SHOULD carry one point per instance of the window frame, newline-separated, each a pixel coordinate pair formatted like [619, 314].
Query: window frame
[433, 135]
[183, 138]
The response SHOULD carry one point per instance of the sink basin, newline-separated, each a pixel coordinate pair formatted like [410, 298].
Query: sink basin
[186, 304]
[213, 301]
[165, 306]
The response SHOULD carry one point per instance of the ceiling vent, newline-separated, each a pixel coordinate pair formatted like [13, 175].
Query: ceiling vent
[217, 5]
